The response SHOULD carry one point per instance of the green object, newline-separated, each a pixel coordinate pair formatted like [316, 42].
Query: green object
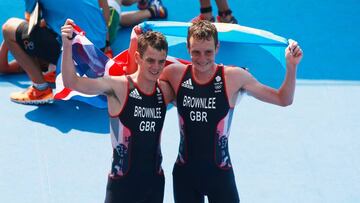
[113, 25]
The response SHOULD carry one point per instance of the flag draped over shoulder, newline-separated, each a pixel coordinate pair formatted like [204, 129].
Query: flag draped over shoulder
[176, 33]
[260, 51]
[92, 62]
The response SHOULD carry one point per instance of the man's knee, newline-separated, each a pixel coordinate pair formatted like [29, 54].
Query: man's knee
[9, 28]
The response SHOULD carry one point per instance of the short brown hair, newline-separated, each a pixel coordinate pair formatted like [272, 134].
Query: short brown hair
[202, 30]
[153, 39]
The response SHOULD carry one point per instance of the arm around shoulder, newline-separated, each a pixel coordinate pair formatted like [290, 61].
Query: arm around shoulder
[168, 92]
[173, 74]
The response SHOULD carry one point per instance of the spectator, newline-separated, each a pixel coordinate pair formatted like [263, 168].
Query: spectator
[44, 43]
[224, 12]
[152, 9]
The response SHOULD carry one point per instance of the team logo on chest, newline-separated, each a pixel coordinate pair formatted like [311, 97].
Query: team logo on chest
[218, 84]
[187, 84]
[135, 94]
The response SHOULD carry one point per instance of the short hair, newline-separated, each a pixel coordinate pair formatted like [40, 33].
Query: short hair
[153, 39]
[202, 30]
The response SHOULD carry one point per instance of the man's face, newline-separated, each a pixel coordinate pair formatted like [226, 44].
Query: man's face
[202, 53]
[152, 63]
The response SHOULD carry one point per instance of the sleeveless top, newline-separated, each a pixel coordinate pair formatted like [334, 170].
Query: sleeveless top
[136, 132]
[204, 118]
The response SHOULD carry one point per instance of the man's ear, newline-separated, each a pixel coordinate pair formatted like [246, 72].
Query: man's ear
[217, 47]
[137, 57]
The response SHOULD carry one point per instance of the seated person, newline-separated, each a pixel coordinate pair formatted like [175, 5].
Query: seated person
[43, 43]
[148, 9]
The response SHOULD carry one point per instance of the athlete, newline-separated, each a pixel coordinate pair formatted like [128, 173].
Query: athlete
[137, 107]
[206, 95]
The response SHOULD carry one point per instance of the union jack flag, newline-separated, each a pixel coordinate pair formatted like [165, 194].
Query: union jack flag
[89, 62]
[92, 62]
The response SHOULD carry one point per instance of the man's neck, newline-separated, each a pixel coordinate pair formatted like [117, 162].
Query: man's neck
[145, 85]
[204, 76]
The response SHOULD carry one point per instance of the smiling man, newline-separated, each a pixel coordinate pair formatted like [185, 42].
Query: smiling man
[137, 108]
[206, 95]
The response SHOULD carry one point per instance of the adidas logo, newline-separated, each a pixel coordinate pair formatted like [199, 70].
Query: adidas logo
[135, 94]
[188, 84]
